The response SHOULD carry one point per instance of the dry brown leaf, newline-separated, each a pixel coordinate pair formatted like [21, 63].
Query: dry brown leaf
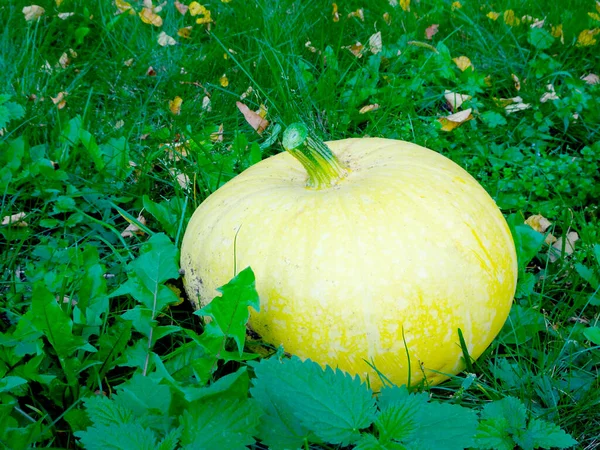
[510, 19]
[33, 12]
[132, 228]
[538, 23]
[463, 63]
[356, 49]
[375, 44]
[334, 13]
[405, 5]
[455, 100]
[175, 105]
[455, 120]
[64, 60]
[549, 95]
[217, 136]
[586, 37]
[151, 72]
[182, 179]
[15, 220]
[60, 100]
[431, 30]
[387, 18]
[150, 17]
[254, 120]
[185, 32]
[516, 81]
[517, 107]
[206, 106]
[183, 9]
[123, 6]
[555, 252]
[368, 108]
[128, 63]
[493, 15]
[504, 102]
[591, 78]
[456, 5]
[65, 16]
[359, 14]
[538, 222]
[224, 81]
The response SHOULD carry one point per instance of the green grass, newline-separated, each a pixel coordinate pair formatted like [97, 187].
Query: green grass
[69, 170]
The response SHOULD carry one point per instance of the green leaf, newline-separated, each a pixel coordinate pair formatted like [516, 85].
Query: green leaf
[9, 111]
[528, 242]
[542, 434]
[167, 213]
[144, 395]
[493, 119]
[230, 312]
[117, 437]
[92, 295]
[234, 385]
[111, 344]
[588, 275]
[89, 142]
[592, 334]
[223, 424]
[103, 411]
[170, 441]
[493, 434]
[442, 425]
[10, 382]
[116, 157]
[300, 398]
[370, 442]
[522, 324]
[540, 38]
[509, 408]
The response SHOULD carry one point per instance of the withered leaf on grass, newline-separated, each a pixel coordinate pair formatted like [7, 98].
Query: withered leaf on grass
[175, 105]
[587, 37]
[431, 30]
[206, 104]
[183, 9]
[375, 44]
[60, 100]
[356, 49]
[405, 5]
[33, 12]
[368, 108]
[185, 32]
[463, 63]
[550, 94]
[510, 19]
[334, 13]
[254, 119]
[224, 81]
[165, 40]
[150, 17]
[455, 100]
[132, 228]
[538, 222]
[217, 136]
[591, 78]
[455, 120]
[359, 14]
[15, 220]
[555, 251]
[123, 6]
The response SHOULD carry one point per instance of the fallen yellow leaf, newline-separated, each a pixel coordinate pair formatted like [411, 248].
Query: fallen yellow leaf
[516, 81]
[368, 108]
[586, 37]
[217, 136]
[359, 14]
[510, 19]
[405, 5]
[254, 119]
[175, 105]
[375, 44]
[463, 63]
[224, 81]
[60, 100]
[184, 32]
[150, 17]
[456, 5]
[538, 223]
[594, 16]
[165, 40]
[334, 13]
[387, 18]
[124, 6]
[557, 32]
[555, 252]
[262, 111]
[455, 100]
[493, 15]
[455, 120]
[196, 9]
[33, 12]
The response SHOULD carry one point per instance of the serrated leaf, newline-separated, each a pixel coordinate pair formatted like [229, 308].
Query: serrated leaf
[230, 312]
[9, 382]
[10, 111]
[103, 411]
[442, 425]
[370, 442]
[542, 434]
[225, 424]
[300, 397]
[170, 441]
[509, 408]
[117, 437]
[111, 345]
[144, 395]
[493, 434]
[141, 319]
[234, 385]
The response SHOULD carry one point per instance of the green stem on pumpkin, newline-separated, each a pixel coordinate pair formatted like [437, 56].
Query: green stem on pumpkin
[323, 167]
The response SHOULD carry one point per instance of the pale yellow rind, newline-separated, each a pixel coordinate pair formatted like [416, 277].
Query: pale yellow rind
[396, 257]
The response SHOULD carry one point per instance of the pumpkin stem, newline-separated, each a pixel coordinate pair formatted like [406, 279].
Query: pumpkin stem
[323, 167]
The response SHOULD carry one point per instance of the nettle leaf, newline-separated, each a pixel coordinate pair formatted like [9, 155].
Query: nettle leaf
[117, 437]
[230, 311]
[234, 385]
[409, 419]
[302, 401]
[493, 434]
[170, 441]
[542, 434]
[103, 411]
[144, 395]
[225, 424]
[509, 408]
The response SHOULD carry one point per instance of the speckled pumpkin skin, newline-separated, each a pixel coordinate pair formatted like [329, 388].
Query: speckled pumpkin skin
[392, 260]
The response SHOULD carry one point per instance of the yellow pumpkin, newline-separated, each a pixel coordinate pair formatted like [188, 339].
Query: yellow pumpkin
[374, 259]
